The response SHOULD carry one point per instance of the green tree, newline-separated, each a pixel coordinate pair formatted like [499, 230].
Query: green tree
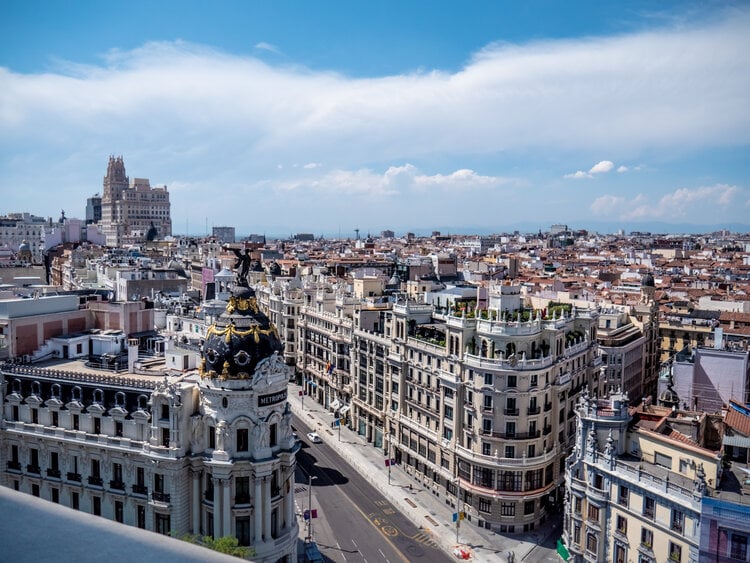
[228, 545]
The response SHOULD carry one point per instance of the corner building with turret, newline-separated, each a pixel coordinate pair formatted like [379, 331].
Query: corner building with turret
[207, 453]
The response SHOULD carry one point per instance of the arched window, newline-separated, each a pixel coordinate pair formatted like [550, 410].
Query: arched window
[120, 399]
[98, 396]
[76, 393]
[55, 390]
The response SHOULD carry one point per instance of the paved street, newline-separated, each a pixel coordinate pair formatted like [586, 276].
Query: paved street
[355, 522]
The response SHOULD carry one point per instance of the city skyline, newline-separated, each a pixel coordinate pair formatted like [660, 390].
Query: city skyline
[482, 118]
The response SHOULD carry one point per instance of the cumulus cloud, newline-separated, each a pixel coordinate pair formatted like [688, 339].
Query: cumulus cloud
[702, 202]
[311, 165]
[622, 169]
[601, 167]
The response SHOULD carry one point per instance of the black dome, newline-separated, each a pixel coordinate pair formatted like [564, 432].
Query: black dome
[239, 340]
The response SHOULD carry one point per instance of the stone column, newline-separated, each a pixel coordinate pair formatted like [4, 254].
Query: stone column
[217, 508]
[288, 504]
[226, 505]
[258, 513]
[196, 504]
[267, 507]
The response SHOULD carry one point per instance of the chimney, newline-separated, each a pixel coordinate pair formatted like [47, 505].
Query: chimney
[132, 354]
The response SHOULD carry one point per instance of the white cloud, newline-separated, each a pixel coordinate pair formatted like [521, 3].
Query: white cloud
[602, 167]
[395, 180]
[702, 202]
[311, 165]
[578, 175]
[622, 169]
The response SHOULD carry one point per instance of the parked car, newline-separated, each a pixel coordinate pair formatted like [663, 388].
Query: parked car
[314, 437]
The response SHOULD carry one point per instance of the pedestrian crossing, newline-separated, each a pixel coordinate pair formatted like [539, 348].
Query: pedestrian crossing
[425, 538]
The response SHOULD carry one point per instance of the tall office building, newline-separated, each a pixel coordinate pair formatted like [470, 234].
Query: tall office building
[133, 211]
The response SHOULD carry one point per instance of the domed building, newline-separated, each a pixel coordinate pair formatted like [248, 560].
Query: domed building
[243, 432]
[208, 452]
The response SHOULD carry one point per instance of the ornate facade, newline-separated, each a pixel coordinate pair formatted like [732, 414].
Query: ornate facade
[132, 212]
[208, 453]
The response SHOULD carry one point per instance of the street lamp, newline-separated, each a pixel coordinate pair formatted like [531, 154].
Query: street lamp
[310, 479]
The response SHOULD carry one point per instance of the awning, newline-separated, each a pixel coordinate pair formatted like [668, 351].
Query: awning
[344, 410]
[335, 404]
[739, 441]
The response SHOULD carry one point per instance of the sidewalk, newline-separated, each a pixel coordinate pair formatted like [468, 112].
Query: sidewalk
[410, 496]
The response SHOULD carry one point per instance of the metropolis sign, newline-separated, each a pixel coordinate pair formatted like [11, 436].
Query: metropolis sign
[272, 399]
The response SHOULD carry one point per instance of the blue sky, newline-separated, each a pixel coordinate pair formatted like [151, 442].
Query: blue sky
[323, 117]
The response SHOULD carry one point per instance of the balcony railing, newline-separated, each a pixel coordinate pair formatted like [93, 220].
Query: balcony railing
[160, 497]
[510, 412]
[520, 435]
[547, 430]
[74, 476]
[97, 481]
[33, 468]
[533, 410]
[140, 490]
[14, 465]
[53, 473]
[119, 485]
[547, 407]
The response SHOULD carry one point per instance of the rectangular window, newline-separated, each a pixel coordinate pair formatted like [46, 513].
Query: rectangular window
[678, 521]
[56, 495]
[738, 547]
[74, 501]
[528, 507]
[593, 513]
[118, 428]
[488, 402]
[619, 553]
[675, 552]
[161, 522]
[485, 505]
[118, 511]
[242, 490]
[488, 379]
[486, 449]
[592, 543]
[242, 525]
[141, 517]
[448, 412]
[511, 381]
[623, 495]
[487, 425]
[97, 425]
[55, 418]
[273, 432]
[242, 439]
[211, 437]
[76, 422]
[649, 507]
[622, 524]
[510, 451]
[165, 437]
[165, 412]
[158, 482]
[35, 416]
[647, 537]
[96, 505]
[507, 509]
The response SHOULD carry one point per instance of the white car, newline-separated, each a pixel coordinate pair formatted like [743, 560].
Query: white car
[314, 438]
